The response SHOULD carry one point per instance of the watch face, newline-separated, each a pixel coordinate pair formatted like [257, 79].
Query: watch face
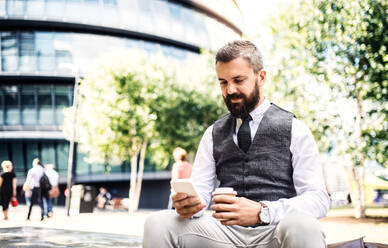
[264, 215]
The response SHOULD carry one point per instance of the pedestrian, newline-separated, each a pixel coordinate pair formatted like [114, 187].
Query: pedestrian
[54, 192]
[7, 186]
[266, 154]
[33, 181]
[103, 198]
[181, 168]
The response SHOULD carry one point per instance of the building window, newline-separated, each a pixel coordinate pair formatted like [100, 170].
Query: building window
[29, 106]
[39, 104]
[9, 51]
[45, 105]
[2, 107]
[35, 8]
[17, 158]
[27, 52]
[12, 113]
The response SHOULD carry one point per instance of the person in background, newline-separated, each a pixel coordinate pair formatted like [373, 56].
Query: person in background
[103, 198]
[7, 186]
[54, 192]
[33, 181]
[181, 169]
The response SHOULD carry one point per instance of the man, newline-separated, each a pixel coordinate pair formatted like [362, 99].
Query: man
[54, 192]
[33, 181]
[267, 155]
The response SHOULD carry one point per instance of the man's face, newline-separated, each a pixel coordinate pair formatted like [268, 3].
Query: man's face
[240, 86]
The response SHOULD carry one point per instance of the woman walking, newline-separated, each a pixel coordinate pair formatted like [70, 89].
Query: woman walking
[7, 186]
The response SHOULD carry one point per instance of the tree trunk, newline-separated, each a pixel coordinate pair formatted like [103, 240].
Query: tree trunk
[360, 208]
[132, 184]
[140, 175]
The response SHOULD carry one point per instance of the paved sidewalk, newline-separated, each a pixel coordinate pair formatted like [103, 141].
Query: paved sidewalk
[122, 229]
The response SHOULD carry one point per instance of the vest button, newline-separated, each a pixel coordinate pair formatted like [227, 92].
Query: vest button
[246, 159]
[246, 173]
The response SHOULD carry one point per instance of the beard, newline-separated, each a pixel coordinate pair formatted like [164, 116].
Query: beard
[248, 103]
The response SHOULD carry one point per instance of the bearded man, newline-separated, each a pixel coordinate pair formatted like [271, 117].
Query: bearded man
[261, 150]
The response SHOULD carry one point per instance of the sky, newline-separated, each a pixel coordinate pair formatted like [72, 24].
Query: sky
[256, 14]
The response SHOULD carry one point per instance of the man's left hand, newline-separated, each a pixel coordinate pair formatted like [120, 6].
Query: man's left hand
[231, 210]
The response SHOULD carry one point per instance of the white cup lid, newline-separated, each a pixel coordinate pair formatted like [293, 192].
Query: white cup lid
[224, 191]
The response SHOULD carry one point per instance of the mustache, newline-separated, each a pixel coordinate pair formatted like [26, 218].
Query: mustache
[234, 96]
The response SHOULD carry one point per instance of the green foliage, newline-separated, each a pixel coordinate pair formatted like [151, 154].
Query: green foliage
[332, 57]
[130, 98]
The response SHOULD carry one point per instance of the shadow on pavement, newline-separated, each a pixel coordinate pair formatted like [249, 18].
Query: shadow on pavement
[50, 237]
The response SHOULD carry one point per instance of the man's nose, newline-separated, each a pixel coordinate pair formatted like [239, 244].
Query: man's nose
[231, 89]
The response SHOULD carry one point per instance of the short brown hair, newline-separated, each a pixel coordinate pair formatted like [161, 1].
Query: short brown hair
[36, 161]
[179, 154]
[244, 49]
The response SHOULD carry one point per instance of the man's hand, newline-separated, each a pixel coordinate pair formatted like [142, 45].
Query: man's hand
[231, 210]
[186, 206]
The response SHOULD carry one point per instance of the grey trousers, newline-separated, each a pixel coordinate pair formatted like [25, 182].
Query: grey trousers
[166, 229]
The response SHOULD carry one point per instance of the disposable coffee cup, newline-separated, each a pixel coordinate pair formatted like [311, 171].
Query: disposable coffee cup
[225, 191]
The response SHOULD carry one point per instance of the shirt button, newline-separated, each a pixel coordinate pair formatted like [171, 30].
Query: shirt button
[246, 173]
[246, 159]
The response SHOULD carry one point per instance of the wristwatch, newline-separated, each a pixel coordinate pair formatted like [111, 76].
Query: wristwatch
[264, 214]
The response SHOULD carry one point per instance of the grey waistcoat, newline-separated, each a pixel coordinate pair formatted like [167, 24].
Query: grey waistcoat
[265, 171]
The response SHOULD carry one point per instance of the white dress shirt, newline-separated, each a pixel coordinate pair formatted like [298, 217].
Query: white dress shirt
[311, 198]
[33, 176]
[52, 176]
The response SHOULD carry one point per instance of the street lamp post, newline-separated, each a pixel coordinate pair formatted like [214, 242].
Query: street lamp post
[71, 148]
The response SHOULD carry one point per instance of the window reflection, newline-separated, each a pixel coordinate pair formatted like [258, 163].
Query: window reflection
[159, 17]
[3, 151]
[18, 158]
[91, 7]
[12, 112]
[45, 51]
[15, 7]
[32, 151]
[48, 153]
[27, 52]
[54, 7]
[35, 8]
[9, 51]
[62, 101]
[73, 10]
[46, 113]
[56, 52]
[29, 113]
[2, 105]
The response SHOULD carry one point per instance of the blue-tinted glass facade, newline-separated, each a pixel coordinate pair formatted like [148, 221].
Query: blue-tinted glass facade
[157, 17]
[34, 108]
[34, 104]
[57, 52]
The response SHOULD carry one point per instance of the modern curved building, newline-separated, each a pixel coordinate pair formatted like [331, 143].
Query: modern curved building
[42, 43]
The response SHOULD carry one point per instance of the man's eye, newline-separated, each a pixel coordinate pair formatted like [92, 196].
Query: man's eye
[222, 82]
[238, 81]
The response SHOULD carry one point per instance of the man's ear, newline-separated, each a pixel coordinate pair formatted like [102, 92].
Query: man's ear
[261, 77]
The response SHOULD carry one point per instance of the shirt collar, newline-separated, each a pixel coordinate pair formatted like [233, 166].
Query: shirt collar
[257, 112]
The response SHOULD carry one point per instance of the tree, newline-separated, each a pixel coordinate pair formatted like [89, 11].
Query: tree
[341, 47]
[186, 108]
[130, 102]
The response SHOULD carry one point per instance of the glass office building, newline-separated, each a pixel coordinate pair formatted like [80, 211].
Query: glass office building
[43, 41]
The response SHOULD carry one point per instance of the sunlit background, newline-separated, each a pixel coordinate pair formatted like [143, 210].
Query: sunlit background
[46, 44]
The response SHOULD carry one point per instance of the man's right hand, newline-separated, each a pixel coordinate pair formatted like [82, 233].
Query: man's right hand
[186, 206]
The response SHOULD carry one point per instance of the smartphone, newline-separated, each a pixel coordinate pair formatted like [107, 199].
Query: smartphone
[184, 186]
